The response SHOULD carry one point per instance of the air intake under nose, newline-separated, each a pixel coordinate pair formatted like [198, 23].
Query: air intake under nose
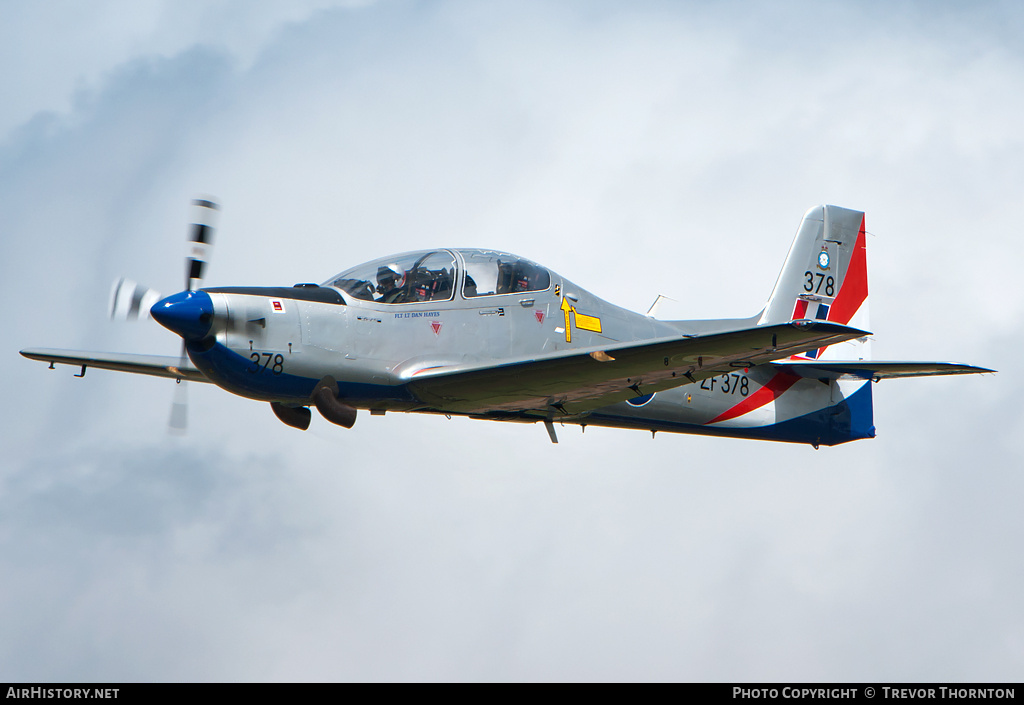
[187, 313]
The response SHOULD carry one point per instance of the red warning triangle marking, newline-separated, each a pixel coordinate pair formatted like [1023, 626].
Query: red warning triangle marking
[436, 325]
[539, 314]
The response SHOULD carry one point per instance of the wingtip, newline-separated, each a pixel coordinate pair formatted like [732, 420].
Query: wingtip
[847, 332]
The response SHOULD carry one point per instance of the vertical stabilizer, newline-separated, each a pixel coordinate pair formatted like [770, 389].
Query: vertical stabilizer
[825, 278]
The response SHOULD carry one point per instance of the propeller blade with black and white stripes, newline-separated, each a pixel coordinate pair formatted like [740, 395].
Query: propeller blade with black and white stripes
[204, 220]
[130, 300]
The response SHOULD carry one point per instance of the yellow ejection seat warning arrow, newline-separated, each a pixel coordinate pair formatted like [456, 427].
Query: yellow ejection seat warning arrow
[567, 308]
[582, 321]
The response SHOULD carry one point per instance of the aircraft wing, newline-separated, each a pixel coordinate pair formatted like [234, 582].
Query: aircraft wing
[575, 381]
[876, 369]
[156, 365]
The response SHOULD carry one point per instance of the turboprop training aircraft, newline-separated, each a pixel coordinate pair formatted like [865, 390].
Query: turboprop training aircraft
[490, 335]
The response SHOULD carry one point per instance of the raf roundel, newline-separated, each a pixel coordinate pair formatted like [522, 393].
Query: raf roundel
[823, 259]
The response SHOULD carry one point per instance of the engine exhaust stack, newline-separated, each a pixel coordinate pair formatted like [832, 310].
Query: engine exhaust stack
[330, 406]
[294, 416]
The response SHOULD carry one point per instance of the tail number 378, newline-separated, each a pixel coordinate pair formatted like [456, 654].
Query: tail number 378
[818, 283]
[264, 361]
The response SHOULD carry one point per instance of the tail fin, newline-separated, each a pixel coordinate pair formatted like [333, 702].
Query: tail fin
[825, 277]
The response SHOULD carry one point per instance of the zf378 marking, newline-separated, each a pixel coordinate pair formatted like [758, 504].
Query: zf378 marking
[727, 384]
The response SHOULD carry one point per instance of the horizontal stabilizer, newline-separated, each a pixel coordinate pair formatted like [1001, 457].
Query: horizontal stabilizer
[876, 369]
[155, 365]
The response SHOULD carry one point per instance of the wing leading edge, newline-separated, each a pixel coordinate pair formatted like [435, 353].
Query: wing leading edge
[576, 381]
[155, 365]
[570, 381]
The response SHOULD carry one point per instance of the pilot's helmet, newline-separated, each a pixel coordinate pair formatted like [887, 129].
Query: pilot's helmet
[390, 277]
[521, 276]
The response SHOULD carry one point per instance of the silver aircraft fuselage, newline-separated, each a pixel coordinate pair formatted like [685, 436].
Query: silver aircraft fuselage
[490, 335]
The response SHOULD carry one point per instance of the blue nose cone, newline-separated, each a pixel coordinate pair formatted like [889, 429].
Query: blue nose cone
[187, 313]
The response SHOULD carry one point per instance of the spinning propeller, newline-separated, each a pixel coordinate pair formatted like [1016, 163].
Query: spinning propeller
[130, 300]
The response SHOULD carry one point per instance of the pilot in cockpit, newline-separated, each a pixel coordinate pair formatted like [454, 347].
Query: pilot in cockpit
[390, 283]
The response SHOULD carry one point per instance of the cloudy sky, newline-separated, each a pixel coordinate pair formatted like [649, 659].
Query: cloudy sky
[635, 148]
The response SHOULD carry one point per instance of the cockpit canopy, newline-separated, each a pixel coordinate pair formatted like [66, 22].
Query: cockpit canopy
[434, 275]
[400, 279]
[490, 273]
